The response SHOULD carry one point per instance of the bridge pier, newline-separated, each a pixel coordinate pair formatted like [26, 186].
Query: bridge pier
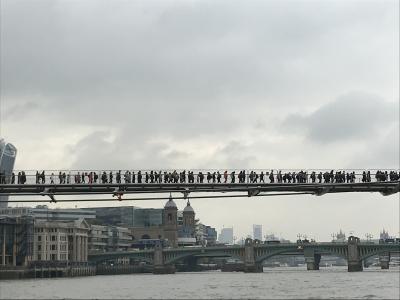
[354, 262]
[250, 265]
[312, 259]
[384, 260]
[158, 260]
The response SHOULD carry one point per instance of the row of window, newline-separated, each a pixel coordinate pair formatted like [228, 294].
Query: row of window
[53, 238]
[52, 257]
[53, 247]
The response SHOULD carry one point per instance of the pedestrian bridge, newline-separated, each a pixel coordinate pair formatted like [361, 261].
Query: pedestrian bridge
[254, 253]
[233, 183]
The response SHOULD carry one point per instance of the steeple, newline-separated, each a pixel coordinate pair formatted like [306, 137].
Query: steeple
[188, 208]
[170, 203]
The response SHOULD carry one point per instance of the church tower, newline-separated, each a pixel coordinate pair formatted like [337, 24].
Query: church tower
[171, 222]
[188, 221]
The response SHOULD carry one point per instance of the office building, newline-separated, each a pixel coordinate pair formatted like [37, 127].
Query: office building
[42, 212]
[8, 153]
[257, 232]
[211, 236]
[226, 236]
[128, 216]
[109, 238]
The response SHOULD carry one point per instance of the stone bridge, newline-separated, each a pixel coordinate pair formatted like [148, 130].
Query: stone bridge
[253, 253]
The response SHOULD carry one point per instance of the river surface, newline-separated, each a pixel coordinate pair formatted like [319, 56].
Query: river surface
[274, 283]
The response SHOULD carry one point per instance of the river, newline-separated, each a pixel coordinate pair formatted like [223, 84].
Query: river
[274, 283]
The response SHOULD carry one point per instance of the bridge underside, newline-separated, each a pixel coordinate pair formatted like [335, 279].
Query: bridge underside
[251, 189]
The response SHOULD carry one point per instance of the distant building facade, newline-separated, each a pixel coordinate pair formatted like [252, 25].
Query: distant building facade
[42, 212]
[211, 235]
[128, 216]
[8, 153]
[16, 240]
[226, 236]
[105, 238]
[61, 241]
[257, 232]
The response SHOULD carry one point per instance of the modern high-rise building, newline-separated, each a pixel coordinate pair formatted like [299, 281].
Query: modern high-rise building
[257, 232]
[8, 152]
[226, 236]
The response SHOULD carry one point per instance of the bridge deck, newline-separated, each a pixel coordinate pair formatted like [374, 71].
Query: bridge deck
[252, 189]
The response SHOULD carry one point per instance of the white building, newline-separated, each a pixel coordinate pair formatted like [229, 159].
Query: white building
[257, 232]
[61, 241]
[226, 236]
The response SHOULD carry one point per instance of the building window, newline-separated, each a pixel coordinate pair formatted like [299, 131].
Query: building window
[39, 247]
[53, 257]
[53, 237]
[39, 238]
[39, 257]
[53, 247]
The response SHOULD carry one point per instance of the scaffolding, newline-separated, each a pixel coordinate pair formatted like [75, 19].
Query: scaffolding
[16, 240]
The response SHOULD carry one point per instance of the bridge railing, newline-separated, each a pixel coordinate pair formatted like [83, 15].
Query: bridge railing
[284, 176]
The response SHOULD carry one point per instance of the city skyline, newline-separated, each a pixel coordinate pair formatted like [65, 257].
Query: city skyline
[259, 85]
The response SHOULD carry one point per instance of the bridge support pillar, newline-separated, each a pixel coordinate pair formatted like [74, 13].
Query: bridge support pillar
[312, 259]
[354, 262]
[250, 265]
[384, 260]
[158, 259]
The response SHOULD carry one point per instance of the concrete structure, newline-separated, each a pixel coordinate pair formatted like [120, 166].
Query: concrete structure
[226, 236]
[61, 241]
[8, 153]
[16, 240]
[109, 238]
[257, 232]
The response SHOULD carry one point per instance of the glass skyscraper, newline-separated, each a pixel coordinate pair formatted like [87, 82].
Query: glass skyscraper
[8, 152]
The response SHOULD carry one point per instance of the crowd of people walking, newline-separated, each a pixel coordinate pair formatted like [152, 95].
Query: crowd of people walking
[129, 177]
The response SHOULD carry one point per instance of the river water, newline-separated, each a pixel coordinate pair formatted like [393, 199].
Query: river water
[274, 283]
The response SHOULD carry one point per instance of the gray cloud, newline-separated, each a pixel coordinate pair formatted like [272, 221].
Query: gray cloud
[353, 116]
[20, 110]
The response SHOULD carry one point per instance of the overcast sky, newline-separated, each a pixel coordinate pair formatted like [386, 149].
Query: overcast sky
[210, 84]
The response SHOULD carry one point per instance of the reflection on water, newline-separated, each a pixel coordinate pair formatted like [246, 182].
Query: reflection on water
[274, 283]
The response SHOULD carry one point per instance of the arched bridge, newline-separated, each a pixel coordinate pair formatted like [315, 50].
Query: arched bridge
[254, 253]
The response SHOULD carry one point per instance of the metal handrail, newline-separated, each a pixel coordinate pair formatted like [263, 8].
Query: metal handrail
[52, 176]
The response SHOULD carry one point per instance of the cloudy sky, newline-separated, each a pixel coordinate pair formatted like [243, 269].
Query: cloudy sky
[210, 84]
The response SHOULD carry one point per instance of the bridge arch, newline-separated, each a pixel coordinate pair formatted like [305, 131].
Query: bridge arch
[268, 255]
[209, 254]
[373, 253]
